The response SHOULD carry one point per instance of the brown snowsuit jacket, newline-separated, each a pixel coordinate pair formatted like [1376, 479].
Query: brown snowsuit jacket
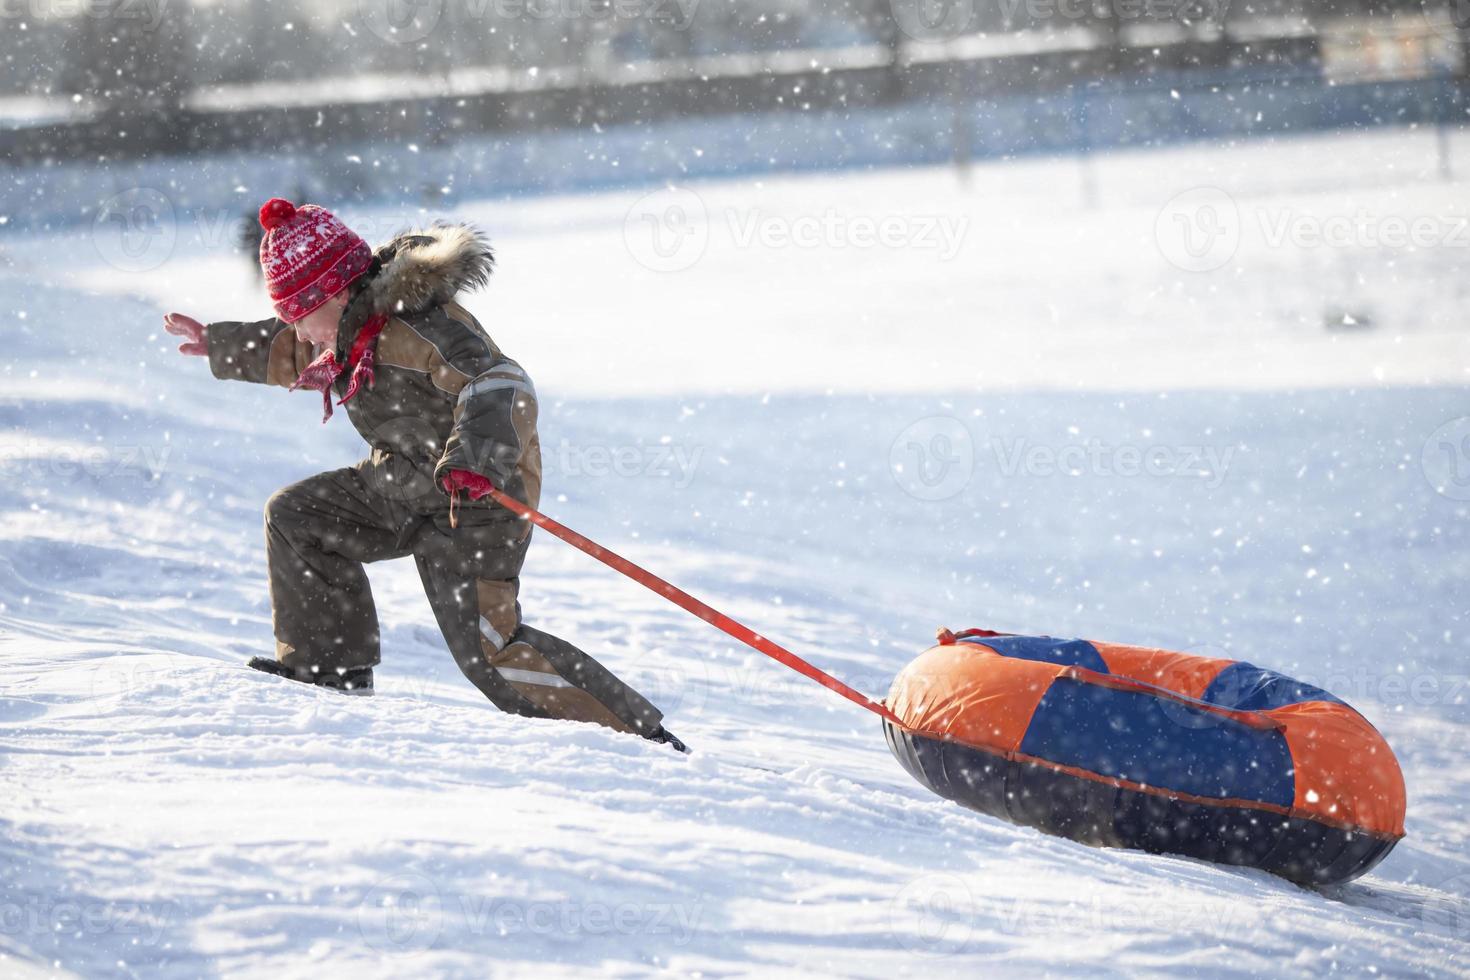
[445, 396]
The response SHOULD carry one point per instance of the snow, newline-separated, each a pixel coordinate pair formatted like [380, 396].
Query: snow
[1024, 286]
[760, 426]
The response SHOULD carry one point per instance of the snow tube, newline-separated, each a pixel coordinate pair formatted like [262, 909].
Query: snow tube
[1149, 749]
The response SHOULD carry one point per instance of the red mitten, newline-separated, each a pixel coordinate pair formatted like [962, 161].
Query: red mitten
[457, 480]
[473, 483]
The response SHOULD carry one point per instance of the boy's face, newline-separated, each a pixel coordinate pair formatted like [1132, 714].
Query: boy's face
[319, 327]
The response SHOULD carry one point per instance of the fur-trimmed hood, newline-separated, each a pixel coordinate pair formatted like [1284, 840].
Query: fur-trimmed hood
[416, 271]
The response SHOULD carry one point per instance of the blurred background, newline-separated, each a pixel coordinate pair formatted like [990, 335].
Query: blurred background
[1139, 320]
[504, 96]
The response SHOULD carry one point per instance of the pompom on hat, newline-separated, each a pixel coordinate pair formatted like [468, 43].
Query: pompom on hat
[308, 256]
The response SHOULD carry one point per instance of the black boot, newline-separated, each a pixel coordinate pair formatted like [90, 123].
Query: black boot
[355, 680]
[662, 734]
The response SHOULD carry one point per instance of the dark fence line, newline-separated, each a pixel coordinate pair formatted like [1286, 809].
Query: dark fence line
[1215, 106]
[954, 124]
[443, 120]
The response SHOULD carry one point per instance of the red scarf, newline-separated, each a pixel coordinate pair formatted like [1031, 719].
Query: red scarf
[322, 373]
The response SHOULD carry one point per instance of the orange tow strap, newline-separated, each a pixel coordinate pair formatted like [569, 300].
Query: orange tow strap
[687, 602]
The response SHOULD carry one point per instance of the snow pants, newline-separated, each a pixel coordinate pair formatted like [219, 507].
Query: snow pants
[319, 532]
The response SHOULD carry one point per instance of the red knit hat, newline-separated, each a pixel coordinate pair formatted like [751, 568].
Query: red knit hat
[308, 256]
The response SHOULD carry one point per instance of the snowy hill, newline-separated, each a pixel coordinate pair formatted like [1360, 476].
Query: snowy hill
[738, 424]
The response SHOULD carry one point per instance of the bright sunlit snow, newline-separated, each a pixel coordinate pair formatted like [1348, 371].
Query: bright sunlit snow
[751, 421]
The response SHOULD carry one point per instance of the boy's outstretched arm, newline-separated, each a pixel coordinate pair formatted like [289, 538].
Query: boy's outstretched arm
[264, 352]
[195, 334]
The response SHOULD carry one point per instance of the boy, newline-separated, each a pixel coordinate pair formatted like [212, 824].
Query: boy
[445, 413]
